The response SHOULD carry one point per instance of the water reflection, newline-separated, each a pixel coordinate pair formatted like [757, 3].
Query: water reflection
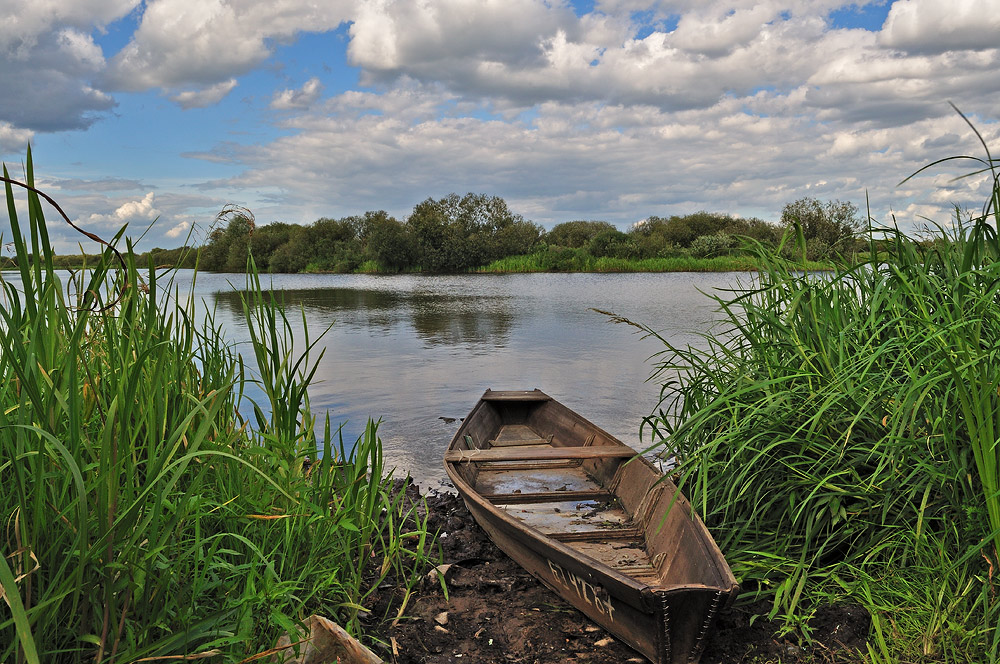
[412, 349]
[436, 318]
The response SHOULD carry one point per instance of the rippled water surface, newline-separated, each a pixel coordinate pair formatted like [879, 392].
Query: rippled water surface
[413, 349]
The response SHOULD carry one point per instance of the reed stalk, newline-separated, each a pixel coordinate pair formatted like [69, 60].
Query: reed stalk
[837, 431]
[141, 516]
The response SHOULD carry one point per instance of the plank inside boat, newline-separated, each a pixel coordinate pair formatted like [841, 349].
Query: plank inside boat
[518, 435]
[627, 557]
[571, 517]
[537, 481]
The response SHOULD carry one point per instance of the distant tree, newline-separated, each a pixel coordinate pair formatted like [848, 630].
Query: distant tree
[765, 232]
[612, 243]
[457, 233]
[266, 240]
[386, 240]
[237, 241]
[439, 244]
[709, 246]
[827, 227]
[683, 230]
[333, 244]
[228, 247]
[576, 234]
[212, 254]
[183, 257]
[563, 259]
[519, 238]
[288, 258]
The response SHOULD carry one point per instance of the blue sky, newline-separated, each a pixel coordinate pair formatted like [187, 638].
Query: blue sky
[161, 112]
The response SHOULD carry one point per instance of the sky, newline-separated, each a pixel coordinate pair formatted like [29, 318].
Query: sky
[157, 114]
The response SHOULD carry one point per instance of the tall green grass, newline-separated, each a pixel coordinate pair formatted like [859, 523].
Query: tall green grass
[577, 260]
[838, 433]
[141, 516]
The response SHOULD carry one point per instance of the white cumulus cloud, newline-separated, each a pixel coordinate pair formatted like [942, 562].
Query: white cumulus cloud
[178, 230]
[933, 26]
[591, 161]
[205, 42]
[209, 96]
[140, 210]
[639, 107]
[13, 139]
[304, 97]
[23, 23]
[48, 59]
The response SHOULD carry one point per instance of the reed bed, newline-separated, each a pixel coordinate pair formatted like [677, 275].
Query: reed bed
[142, 517]
[838, 433]
[581, 261]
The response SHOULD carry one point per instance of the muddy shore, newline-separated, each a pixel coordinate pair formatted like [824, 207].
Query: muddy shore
[495, 613]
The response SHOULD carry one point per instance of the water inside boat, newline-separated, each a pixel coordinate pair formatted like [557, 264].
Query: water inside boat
[561, 500]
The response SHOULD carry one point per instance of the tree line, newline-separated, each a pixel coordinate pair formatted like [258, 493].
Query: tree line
[451, 234]
[463, 233]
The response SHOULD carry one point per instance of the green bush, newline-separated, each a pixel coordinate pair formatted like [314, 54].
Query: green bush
[563, 259]
[707, 246]
[613, 244]
[576, 234]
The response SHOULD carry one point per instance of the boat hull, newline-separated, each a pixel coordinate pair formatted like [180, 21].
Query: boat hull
[660, 612]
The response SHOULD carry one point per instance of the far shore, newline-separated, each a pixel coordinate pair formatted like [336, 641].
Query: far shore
[523, 265]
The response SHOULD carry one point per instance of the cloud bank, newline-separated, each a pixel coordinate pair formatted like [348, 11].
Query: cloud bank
[616, 111]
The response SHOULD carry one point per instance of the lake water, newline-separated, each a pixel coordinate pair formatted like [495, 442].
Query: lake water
[414, 349]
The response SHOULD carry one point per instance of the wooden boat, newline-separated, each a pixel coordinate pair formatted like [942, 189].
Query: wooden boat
[592, 520]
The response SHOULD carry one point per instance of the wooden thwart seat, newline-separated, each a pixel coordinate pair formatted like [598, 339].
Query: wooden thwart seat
[516, 396]
[535, 465]
[539, 453]
[546, 496]
[521, 442]
[602, 535]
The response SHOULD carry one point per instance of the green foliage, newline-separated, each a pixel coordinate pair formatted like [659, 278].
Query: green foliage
[440, 242]
[236, 242]
[463, 233]
[455, 233]
[182, 257]
[683, 230]
[613, 244]
[517, 237]
[141, 516]
[575, 260]
[273, 247]
[706, 246]
[563, 259]
[693, 233]
[839, 434]
[466, 233]
[452, 234]
[828, 228]
[387, 241]
[576, 234]
[332, 245]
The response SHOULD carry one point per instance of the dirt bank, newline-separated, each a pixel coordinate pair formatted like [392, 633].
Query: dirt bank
[495, 612]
